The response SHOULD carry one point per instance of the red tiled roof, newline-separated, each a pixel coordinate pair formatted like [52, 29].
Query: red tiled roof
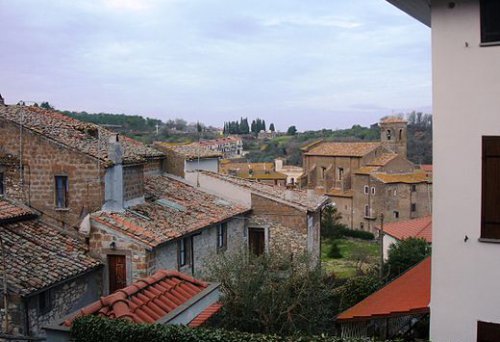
[39, 256]
[343, 149]
[205, 315]
[392, 119]
[415, 177]
[407, 294]
[189, 151]
[382, 160]
[75, 134]
[419, 228]
[147, 300]
[426, 167]
[172, 209]
[10, 212]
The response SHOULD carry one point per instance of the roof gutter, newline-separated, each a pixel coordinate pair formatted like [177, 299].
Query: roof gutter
[418, 9]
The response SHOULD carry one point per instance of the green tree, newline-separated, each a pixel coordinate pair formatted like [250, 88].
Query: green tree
[405, 254]
[331, 228]
[47, 105]
[271, 127]
[273, 294]
[292, 130]
[356, 289]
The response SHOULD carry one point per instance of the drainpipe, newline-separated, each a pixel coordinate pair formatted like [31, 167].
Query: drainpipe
[5, 289]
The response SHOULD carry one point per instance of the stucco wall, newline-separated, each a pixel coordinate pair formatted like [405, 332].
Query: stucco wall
[466, 81]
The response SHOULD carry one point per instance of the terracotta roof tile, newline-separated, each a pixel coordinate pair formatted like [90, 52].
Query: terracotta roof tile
[10, 211]
[343, 149]
[189, 151]
[75, 134]
[382, 160]
[300, 198]
[366, 170]
[205, 315]
[147, 300]
[426, 167]
[39, 256]
[393, 119]
[340, 193]
[172, 209]
[408, 178]
[419, 228]
[409, 293]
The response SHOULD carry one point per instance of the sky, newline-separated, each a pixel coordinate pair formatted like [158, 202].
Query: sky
[313, 64]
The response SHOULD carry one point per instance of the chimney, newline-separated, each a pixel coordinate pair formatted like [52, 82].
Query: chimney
[113, 179]
[2, 101]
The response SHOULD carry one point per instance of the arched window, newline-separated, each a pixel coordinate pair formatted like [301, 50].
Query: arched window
[388, 134]
[401, 134]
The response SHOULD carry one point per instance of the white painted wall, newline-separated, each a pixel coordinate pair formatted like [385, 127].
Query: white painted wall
[387, 241]
[466, 80]
[207, 164]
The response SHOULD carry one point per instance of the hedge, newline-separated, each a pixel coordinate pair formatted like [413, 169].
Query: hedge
[359, 234]
[98, 329]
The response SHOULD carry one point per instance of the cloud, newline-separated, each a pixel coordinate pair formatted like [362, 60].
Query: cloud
[323, 21]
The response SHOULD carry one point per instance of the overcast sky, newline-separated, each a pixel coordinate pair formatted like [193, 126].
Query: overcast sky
[316, 64]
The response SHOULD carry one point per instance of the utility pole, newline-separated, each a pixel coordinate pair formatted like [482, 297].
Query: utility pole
[381, 246]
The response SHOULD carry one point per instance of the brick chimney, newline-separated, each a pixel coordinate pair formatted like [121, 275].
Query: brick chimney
[113, 179]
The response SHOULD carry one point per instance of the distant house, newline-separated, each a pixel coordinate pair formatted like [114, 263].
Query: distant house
[366, 179]
[177, 227]
[394, 310]
[280, 218]
[166, 297]
[182, 158]
[397, 231]
[230, 146]
[260, 172]
[293, 173]
[48, 273]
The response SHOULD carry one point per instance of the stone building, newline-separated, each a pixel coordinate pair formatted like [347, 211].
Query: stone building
[230, 146]
[182, 158]
[177, 227]
[260, 172]
[281, 218]
[49, 274]
[62, 167]
[367, 179]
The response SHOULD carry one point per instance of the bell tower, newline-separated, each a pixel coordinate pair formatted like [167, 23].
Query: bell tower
[393, 135]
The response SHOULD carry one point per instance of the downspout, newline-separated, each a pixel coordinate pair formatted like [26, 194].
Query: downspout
[5, 289]
[26, 317]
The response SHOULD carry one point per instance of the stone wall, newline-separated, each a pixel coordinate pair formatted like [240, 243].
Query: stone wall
[175, 163]
[136, 257]
[154, 167]
[280, 213]
[133, 182]
[12, 186]
[331, 166]
[65, 299]
[42, 160]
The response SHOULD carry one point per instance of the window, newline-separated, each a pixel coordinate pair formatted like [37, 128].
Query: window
[388, 134]
[395, 192]
[2, 189]
[373, 190]
[184, 248]
[222, 236]
[490, 21]
[366, 189]
[367, 210]
[413, 188]
[400, 134]
[395, 213]
[361, 226]
[323, 172]
[413, 207]
[61, 191]
[44, 302]
[487, 332]
[340, 173]
[490, 197]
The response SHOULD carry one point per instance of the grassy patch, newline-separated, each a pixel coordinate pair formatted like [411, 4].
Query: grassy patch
[355, 253]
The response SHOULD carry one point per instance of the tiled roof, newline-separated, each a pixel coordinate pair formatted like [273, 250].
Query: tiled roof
[172, 209]
[382, 160]
[205, 315]
[410, 293]
[393, 119]
[419, 228]
[8, 159]
[10, 212]
[221, 141]
[366, 170]
[148, 300]
[343, 149]
[408, 178]
[189, 151]
[75, 134]
[39, 256]
[426, 167]
[251, 170]
[298, 198]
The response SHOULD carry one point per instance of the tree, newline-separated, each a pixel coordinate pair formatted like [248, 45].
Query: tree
[405, 254]
[292, 130]
[356, 289]
[273, 294]
[271, 127]
[46, 105]
[330, 223]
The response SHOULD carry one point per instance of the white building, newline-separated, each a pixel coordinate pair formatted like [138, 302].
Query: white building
[465, 298]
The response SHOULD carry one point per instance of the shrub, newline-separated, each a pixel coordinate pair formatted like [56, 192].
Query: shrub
[358, 234]
[334, 250]
[405, 254]
[98, 329]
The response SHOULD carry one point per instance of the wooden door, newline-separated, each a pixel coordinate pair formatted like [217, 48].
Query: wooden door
[117, 272]
[256, 241]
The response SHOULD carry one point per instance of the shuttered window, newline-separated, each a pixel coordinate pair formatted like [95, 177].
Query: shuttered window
[490, 201]
[490, 21]
[488, 332]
